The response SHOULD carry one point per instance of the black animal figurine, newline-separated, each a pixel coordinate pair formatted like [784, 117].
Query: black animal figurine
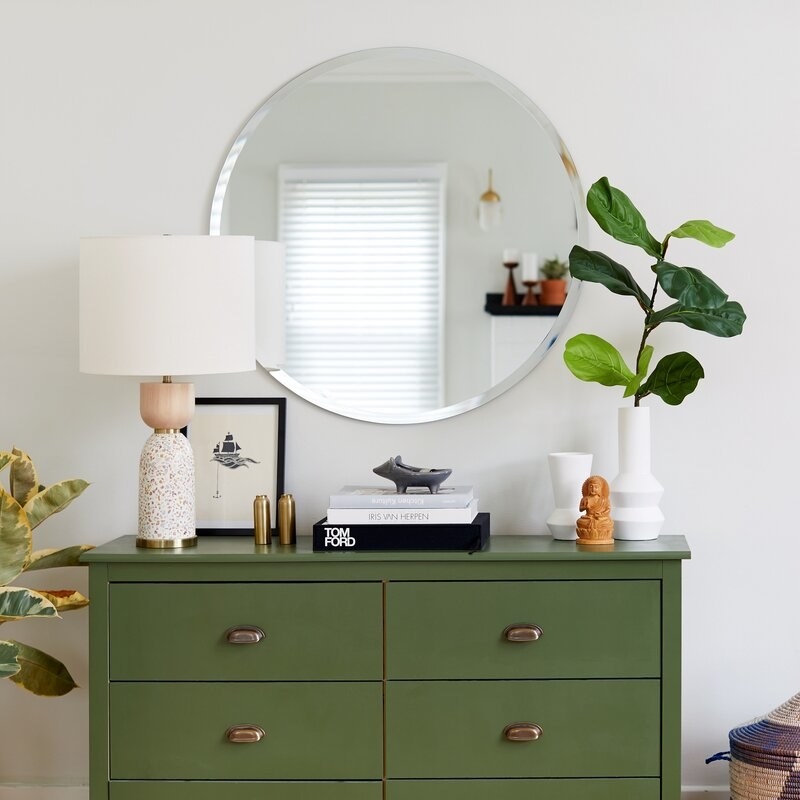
[404, 475]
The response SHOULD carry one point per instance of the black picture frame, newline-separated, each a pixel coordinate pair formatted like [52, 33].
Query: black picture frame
[239, 446]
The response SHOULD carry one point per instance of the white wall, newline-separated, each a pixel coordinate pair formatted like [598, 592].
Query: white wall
[115, 119]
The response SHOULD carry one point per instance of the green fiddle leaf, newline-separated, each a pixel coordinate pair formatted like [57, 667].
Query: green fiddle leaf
[41, 674]
[616, 215]
[689, 286]
[643, 366]
[703, 231]
[725, 321]
[15, 538]
[674, 377]
[19, 603]
[594, 267]
[52, 499]
[644, 360]
[591, 358]
[8, 659]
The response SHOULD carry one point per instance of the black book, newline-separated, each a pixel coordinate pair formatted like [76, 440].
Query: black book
[469, 536]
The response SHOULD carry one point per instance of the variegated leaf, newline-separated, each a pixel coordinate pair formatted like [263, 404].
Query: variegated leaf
[53, 499]
[53, 557]
[15, 538]
[64, 599]
[41, 674]
[24, 481]
[8, 659]
[6, 459]
[19, 603]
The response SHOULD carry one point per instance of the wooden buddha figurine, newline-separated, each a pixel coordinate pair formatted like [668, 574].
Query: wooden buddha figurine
[596, 525]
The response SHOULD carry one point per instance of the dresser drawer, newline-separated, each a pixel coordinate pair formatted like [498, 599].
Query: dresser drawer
[589, 629]
[313, 731]
[244, 790]
[442, 729]
[541, 789]
[312, 631]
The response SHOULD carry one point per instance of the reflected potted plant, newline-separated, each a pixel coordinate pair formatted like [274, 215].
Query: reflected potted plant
[553, 286]
[696, 301]
[27, 504]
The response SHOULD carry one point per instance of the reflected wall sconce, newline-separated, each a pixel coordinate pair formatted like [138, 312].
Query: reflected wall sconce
[489, 208]
[166, 306]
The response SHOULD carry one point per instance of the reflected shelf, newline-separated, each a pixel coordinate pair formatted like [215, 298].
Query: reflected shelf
[494, 306]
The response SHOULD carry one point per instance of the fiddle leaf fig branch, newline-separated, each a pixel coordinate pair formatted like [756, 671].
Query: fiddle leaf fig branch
[699, 302]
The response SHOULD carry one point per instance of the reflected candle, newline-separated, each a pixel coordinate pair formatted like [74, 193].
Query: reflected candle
[530, 267]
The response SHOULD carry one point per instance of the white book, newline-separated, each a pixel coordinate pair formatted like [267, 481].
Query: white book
[403, 516]
[375, 497]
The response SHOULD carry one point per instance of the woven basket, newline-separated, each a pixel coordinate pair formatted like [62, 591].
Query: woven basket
[765, 756]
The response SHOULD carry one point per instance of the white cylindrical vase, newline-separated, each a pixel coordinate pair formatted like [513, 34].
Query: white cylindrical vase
[166, 492]
[568, 471]
[635, 493]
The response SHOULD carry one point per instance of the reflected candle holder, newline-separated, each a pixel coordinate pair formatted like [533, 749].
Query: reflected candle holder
[530, 298]
[510, 293]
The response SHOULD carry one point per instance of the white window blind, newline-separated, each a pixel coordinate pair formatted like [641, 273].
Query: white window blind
[364, 282]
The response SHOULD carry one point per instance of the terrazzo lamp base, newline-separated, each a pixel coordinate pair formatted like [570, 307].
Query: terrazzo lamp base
[166, 492]
[166, 467]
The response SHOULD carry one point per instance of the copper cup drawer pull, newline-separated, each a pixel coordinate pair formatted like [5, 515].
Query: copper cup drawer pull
[524, 632]
[522, 732]
[244, 734]
[244, 634]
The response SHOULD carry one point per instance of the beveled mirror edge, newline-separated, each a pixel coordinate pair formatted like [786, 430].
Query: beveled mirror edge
[445, 411]
[581, 219]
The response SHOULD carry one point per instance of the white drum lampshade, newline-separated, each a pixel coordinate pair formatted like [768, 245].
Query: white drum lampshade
[167, 306]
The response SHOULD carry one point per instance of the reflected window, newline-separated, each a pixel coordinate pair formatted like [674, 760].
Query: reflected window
[364, 282]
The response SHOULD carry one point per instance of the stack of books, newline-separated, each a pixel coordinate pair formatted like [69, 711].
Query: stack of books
[378, 518]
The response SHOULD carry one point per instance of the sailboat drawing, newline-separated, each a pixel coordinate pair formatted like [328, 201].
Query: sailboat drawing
[227, 453]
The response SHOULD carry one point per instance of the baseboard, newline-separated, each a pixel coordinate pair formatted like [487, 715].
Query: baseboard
[80, 792]
[30, 791]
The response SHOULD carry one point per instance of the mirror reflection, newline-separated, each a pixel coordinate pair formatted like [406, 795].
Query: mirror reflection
[374, 170]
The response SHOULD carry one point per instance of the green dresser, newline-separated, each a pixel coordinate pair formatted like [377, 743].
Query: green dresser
[533, 669]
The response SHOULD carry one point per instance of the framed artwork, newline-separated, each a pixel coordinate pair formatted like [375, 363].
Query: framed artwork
[239, 450]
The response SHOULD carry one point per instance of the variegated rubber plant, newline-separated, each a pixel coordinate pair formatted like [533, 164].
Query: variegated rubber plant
[697, 303]
[22, 509]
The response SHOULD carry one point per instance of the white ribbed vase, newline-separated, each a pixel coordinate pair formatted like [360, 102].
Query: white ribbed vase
[166, 492]
[568, 471]
[635, 493]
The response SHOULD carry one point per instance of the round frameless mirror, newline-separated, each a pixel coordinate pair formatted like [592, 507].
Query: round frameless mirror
[400, 180]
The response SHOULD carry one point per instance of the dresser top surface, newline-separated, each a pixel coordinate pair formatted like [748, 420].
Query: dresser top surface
[500, 549]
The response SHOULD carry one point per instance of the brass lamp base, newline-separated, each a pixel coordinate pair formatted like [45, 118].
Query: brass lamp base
[166, 544]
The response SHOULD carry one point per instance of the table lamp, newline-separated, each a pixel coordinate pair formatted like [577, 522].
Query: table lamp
[166, 306]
